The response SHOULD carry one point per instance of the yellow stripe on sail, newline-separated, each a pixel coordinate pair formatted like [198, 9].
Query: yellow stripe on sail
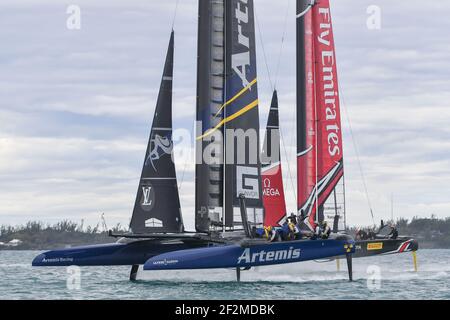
[240, 93]
[232, 117]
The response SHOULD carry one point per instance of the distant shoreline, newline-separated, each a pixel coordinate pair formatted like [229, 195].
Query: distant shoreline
[30, 247]
[431, 233]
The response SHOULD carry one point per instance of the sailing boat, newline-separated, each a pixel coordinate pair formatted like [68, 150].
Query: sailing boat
[272, 175]
[156, 223]
[320, 169]
[229, 202]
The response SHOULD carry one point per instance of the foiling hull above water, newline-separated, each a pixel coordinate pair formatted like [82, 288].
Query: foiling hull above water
[368, 248]
[248, 255]
[114, 254]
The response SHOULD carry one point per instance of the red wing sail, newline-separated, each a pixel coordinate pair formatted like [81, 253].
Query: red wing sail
[306, 113]
[319, 161]
[272, 177]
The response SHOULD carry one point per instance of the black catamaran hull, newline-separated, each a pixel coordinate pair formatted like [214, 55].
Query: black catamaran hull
[114, 254]
[368, 248]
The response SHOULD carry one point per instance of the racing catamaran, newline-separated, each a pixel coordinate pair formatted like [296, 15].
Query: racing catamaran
[229, 204]
[320, 168]
[156, 224]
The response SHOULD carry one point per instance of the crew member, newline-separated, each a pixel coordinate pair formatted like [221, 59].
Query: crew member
[317, 232]
[271, 234]
[326, 230]
[293, 218]
[362, 234]
[358, 234]
[293, 229]
[381, 226]
[302, 215]
[371, 234]
[394, 233]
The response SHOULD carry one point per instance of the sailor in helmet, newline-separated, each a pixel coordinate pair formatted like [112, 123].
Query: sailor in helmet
[271, 233]
[326, 230]
[294, 231]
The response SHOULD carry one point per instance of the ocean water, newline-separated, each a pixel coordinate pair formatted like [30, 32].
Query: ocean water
[385, 277]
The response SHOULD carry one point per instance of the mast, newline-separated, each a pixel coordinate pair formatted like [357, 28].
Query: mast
[319, 130]
[306, 108]
[272, 176]
[157, 205]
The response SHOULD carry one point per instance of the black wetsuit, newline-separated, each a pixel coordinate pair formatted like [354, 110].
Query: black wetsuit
[326, 232]
[394, 234]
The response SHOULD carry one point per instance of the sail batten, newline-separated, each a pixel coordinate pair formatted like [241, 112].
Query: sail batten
[153, 212]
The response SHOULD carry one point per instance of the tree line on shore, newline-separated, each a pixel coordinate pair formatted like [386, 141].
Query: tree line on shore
[35, 235]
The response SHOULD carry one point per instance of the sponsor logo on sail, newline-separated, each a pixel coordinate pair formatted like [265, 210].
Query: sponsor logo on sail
[268, 190]
[148, 197]
[330, 94]
[268, 256]
[247, 182]
[160, 145]
[153, 223]
[147, 200]
[241, 61]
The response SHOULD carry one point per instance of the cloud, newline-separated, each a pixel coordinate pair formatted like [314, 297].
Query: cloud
[76, 106]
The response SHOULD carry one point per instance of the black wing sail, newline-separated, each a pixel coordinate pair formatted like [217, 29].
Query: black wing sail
[210, 101]
[241, 116]
[157, 206]
[227, 103]
[269, 156]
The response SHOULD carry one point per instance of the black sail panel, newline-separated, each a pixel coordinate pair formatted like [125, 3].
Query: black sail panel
[241, 116]
[157, 205]
[268, 155]
[210, 101]
[272, 176]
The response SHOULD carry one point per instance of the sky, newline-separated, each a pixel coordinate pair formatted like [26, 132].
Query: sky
[76, 104]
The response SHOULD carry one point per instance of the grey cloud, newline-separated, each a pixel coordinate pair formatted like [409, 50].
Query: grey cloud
[76, 105]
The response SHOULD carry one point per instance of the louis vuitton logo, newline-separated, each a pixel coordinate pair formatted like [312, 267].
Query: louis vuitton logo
[147, 199]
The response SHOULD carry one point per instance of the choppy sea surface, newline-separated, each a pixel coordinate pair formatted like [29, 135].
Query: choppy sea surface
[384, 277]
